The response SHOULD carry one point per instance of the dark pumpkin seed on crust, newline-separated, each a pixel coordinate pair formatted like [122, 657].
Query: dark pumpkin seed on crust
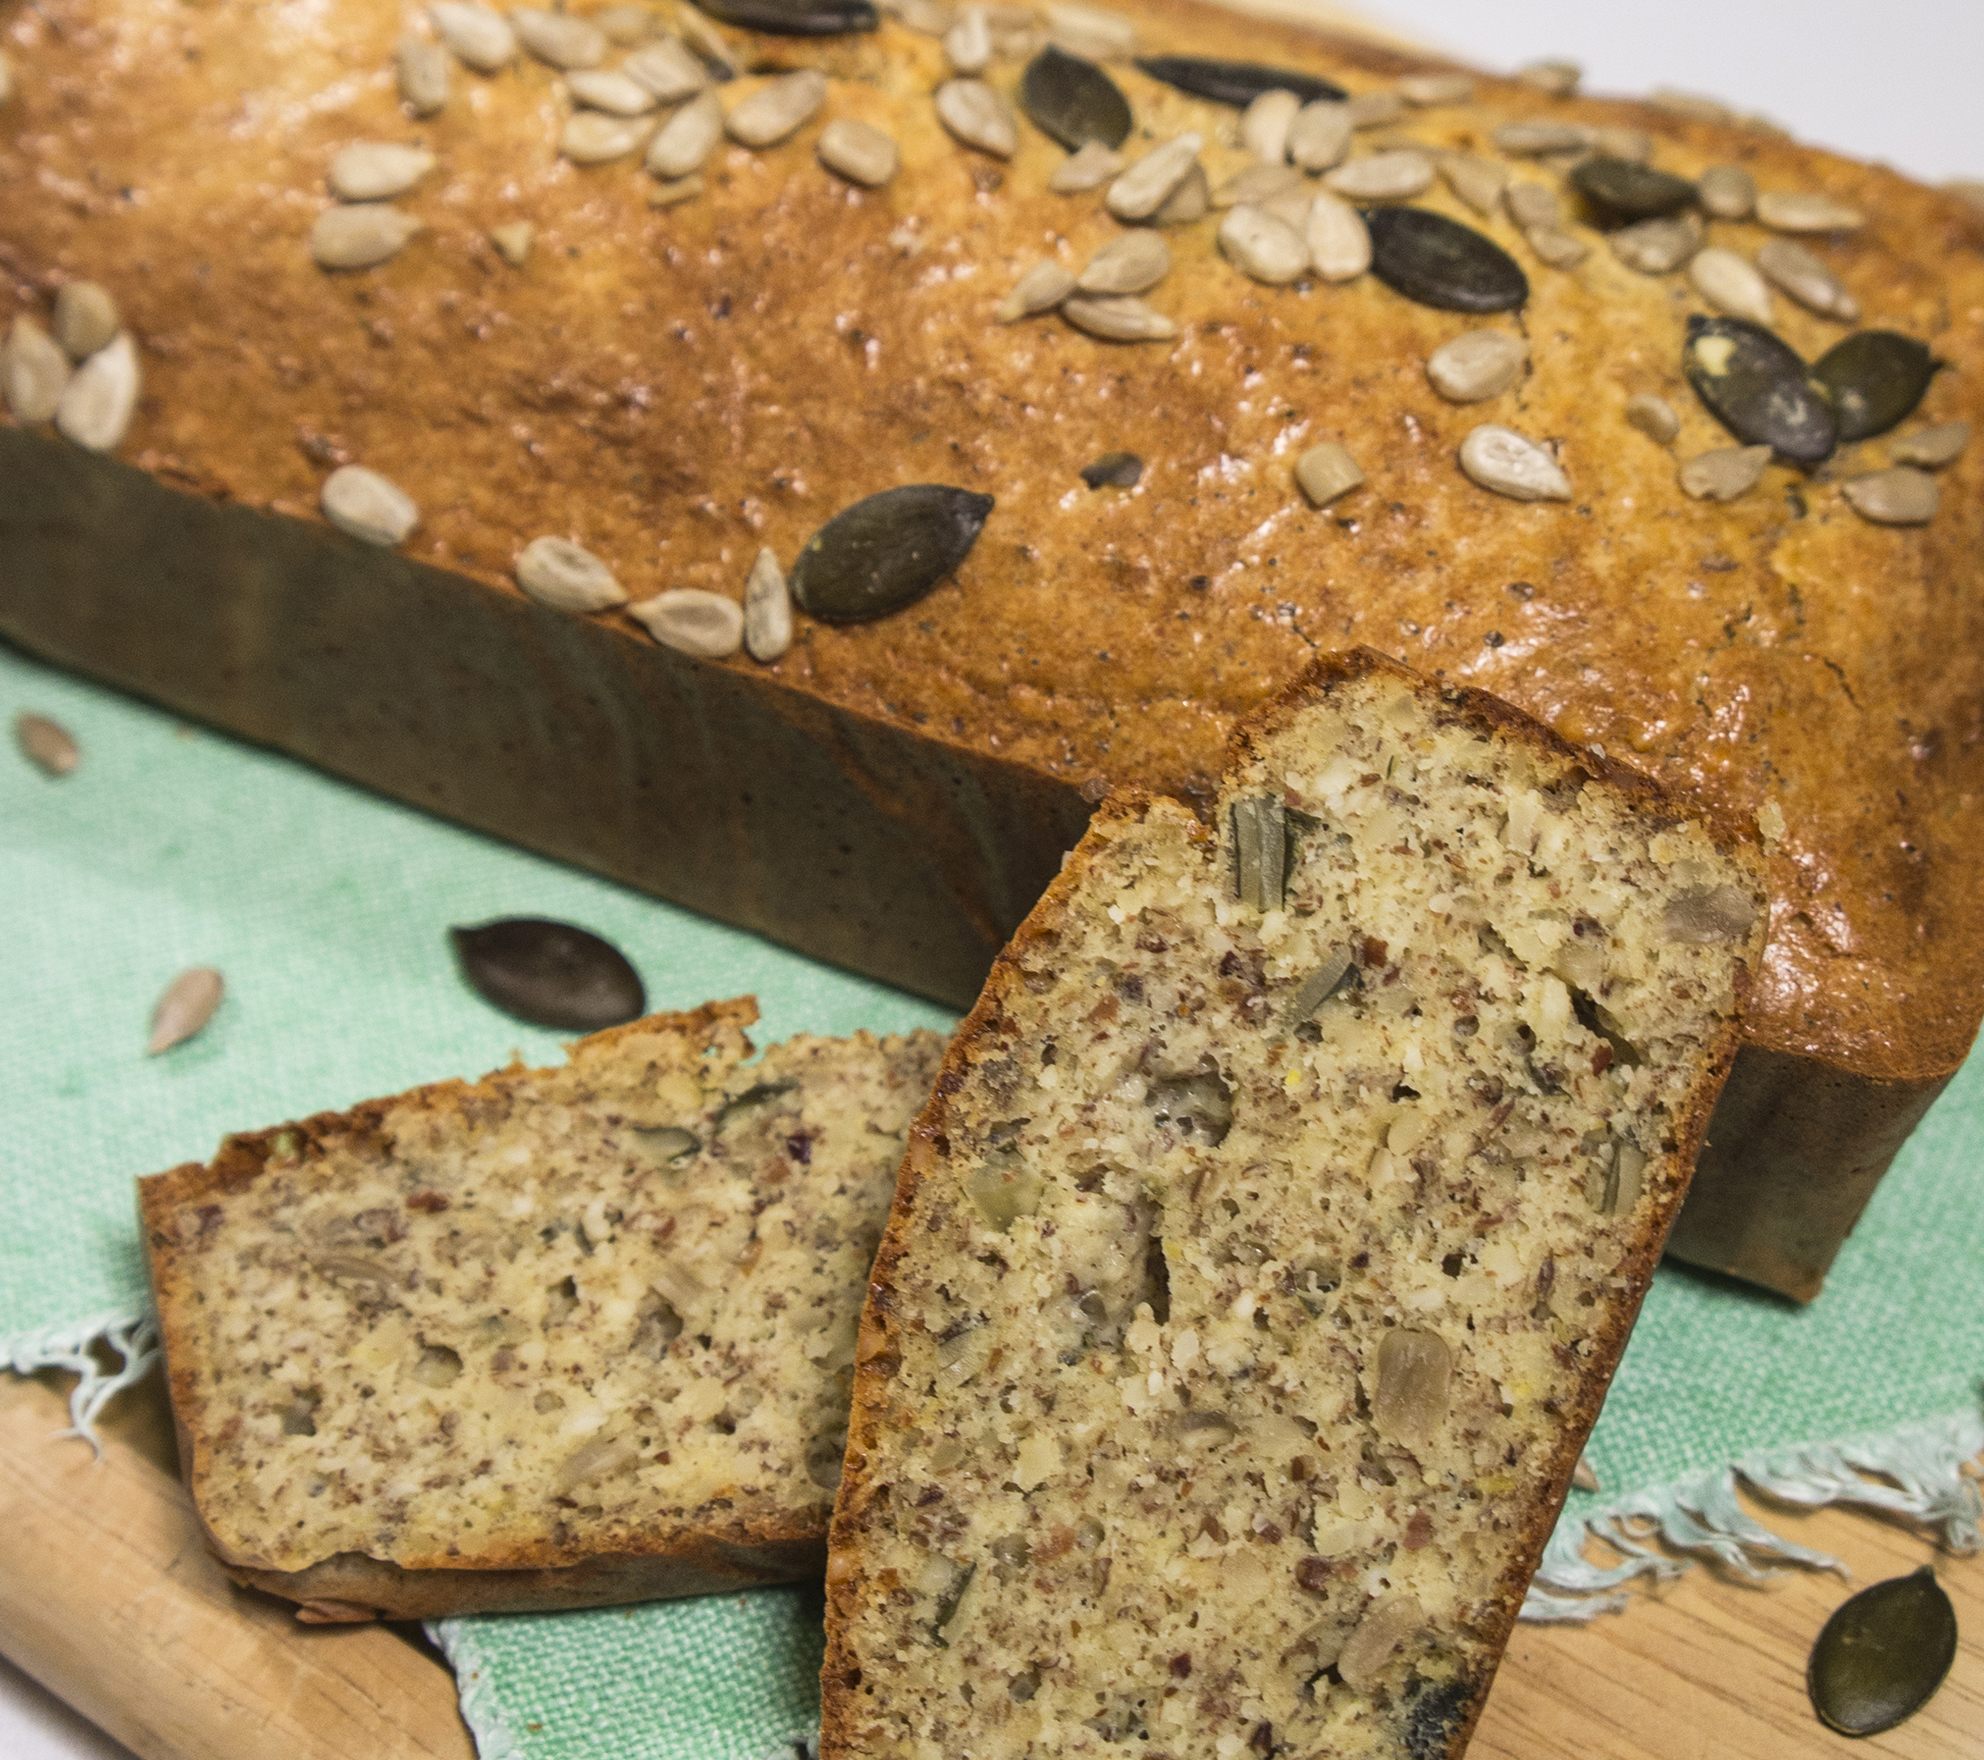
[1114, 470]
[887, 551]
[1756, 385]
[1622, 190]
[1074, 100]
[1441, 263]
[794, 18]
[1235, 82]
[1876, 378]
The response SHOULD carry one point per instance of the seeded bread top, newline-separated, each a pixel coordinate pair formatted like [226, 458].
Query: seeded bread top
[675, 387]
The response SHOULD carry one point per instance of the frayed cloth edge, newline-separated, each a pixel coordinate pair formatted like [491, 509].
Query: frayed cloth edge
[130, 1335]
[1916, 1472]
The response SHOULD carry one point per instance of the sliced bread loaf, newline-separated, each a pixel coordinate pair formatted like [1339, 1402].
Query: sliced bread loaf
[559, 1337]
[1260, 1263]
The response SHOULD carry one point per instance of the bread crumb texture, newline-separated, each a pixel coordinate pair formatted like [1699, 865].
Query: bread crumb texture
[552, 1315]
[1259, 1267]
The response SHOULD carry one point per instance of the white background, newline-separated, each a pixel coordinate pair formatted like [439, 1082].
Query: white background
[1898, 80]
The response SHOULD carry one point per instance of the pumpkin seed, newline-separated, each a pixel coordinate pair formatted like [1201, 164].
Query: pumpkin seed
[1086, 168]
[611, 90]
[1396, 176]
[1260, 850]
[1339, 241]
[885, 552]
[360, 237]
[1114, 470]
[1896, 497]
[691, 621]
[794, 18]
[779, 107]
[686, 139]
[550, 974]
[1558, 78]
[1117, 318]
[567, 577]
[1148, 184]
[1319, 136]
[1259, 185]
[1801, 211]
[1133, 262]
[1409, 1400]
[1731, 284]
[1477, 365]
[559, 39]
[1325, 471]
[1758, 388]
[1262, 247]
[1040, 289]
[33, 372]
[1374, 109]
[1428, 91]
[860, 153]
[1558, 248]
[513, 241]
[187, 1005]
[101, 397]
[1073, 100]
[367, 506]
[1533, 204]
[368, 171]
[1728, 192]
[667, 69]
[1317, 988]
[977, 116]
[1440, 263]
[767, 610]
[1237, 83]
[1502, 460]
[1535, 140]
[1653, 416]
[1796, 271]
[1881, 1656]
[1621, 190]
[1932, 448]
[1876, 378]
[1658, 247]
[625, 24]
[46, 744]
[476, 36]
[1724, 473]
[1478, 182]
[1265, 123]
[1089, 31]
[968, 43]
[85, 318]
[590, 137]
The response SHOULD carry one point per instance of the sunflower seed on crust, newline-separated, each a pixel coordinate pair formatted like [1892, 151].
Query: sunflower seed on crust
[1731, 284]
[559, 39]
[928, 18]
[1533, 204]
[1724, 472]
[686, 139]
[1374, 109]
[1634, 145]
[567, 577]
[1191, 200]
[1339, 242]
[1689, 106]
[367, 506]
[1265, 123]
[370, 171]
[1931, 448]
[625, 24]
[1262, 247]
[767, 610]
[187, 1005]
[1558, 78]
[778, 108]
[672, 192]
[46, 744]
[858, 152]
[1088, 167]
[513, 241]
[968, 43]
[691, 621]
[1427, 91]
[667, 69]
[977, 116]
[33, 371]
[1040, 289]
[1396, 176]
[1558, 248]
[1477, 365]
[1807, 279]
[1728, 192]
[1148, 184]
[1901, 496]
[609, 89]
[476, 36]
[1258, 185]
[1132, 262]
[360, 237]
[1658, 247]
[1089, 31]
[1534, 140]
[591, 137]
[1500, 459]
[86, 318]
[101, 397]
[1478, 182]
[1806, 211]
[1117, 318]
[1319, 136]
[422, 71]
[1326, 471]
[1653, 416]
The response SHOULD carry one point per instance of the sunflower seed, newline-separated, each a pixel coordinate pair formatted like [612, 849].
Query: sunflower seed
[1876, 378]
[33, 372]
[1086, 168]
[885, 552]
[1533, 204]
[1634, 145]
[1114, 470]
[1319, 136]
[46, 744]
[567, 577]
[1258, 185]
[1145, 187]
[1262, 247]
[1882, 1655]
[421, 69]
[930, 18]
[1374, 109]
[1690, 106]
[360, 237]
[1339, 242]
[1117, 318]
[1478, 182]
[85, 318]
[708, 44]
[977, 116]
[551, 974]
[860, 153]
[794, 18]
[1133, 262]
[672, 192]
[369, 507]
[1325, 471]
[1396, 176]
[1558, 248]
[1584, 1475]
[1796, 271]
[1477, 365]
[558, 39]
[968, 43]
[513, 241]
[1900, 496]
[626, 24]
[1731, 284]
[187, 1005]
[369, 171]
[1533, 140]
[1086, 30]
[1759, 389]
[591, 137]
[1558, 78]
[1191, 200]
[1237, 83]
[781, 106]
[1932, 448]
[1427, 91]
[101, 397]
[685, 140]
[1265, 123]
[1293, 207]
[601, 88]
[1728, 192]
[1653, 416]
[1800, 211]
[1440, 263]
[1622, 190]
[1502, 460]
[667, 69]
[1410, 1399]
[475, 36]
[767, 610]
[1724, 473]
[1040, 289]
[691, 621]
[1658, 247]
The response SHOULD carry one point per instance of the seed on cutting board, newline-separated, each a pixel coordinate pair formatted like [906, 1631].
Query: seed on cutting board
[1731, 284]
[1374, 109]
[885, 552]
[1900, 496]
[767, 610]
[1117, 318]
[1396, 176]
[781, 106]
[1326, 471]
[1876, 378]
[1426, 91]
[1265, 123]
[1653, 416]
[1339, 242]
[1803, 211]
[86, 318]
[1558, 248]
[1502, 460]
[1086, 168]
[1259, 184]
[1724, 473]
[101, 397]
[1634, 145]
[187, 1005]
[1558, 78]
[1074, 101]
[1319, 136]
[1113, 470]
[513, 241]
[1806, 278]
[422, 71]
[591, 137]
[1262, 247]
[1191, 200]
[548, 973]
[1237, 83]
[1623, 190]
[475, 36]
[685, 140]
[1040, 289]
[978, 117]
[368, 506]
[860, 152]
[625, 24]
[1145, 186]
[33, 371]
[609, 89]
[1658, 247]
[46, 744]
[968, 43]
[1477, 365]
[567, 577]
[1478, 182]
[793, 18]
[370, 171]
[1088, 30]
[1932, 448]
[559, 39]
[691, 621]
[1881, 1656]
[1534, 140]
[1728, 192]
[672, 192]
[1133, 262]
[1533, 204]
[360, 237]
[1440, 263]
[1759, 389]
[667, 69]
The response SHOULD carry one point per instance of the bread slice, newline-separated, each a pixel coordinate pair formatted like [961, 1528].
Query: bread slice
[557, 1338]
[1261, 1260]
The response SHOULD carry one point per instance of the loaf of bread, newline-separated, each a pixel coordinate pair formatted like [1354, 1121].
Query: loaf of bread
[557, 1338]
[1260, 1262]
[796, 327]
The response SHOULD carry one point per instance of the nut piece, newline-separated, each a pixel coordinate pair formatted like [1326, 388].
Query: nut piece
[860, 153]
[1339, 241]
[767, 610]
[1724, 473]
[567, 577]
[1502, 460]
[1410, 1402]
[361, 237]
[1132, 262]
[1931, 448]
[33, 371]
[1040, 289]
[369, 171]
[1802, 211]
[1319, 136]
[1477, 365]
[976, 115]
[368, 506]
[1148, 184]
[1728, 192]
[1388, 1622]
[1326, 471]
[1265, 123]
[1653, 416]
[1898, 497]
[1263, 247]
[1383, 177]
[101, 397]
[691, 621]
[1731, 284]
[86, 318]
[776, 109]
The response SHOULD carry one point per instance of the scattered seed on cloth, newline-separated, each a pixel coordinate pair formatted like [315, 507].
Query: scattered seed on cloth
[1500, 459]
[692, 621]
[549, 973]
[567, 577]
[187, 1005]
[369, 507]
[46, 744]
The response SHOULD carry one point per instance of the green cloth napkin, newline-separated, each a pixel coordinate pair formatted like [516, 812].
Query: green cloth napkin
[328, 911]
